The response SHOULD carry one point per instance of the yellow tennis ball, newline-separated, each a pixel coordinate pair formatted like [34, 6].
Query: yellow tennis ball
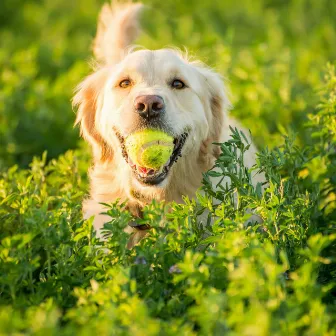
[149, 148]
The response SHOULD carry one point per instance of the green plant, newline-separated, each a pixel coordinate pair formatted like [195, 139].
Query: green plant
[187, 276]
[275, 277]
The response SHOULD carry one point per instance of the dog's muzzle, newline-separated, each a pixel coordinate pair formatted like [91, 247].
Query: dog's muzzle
[151, 176]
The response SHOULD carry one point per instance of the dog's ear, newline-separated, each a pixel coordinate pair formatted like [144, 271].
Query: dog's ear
[88, 99]
[218, 106]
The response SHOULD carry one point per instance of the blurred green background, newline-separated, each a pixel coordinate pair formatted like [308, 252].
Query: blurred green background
[273, 53]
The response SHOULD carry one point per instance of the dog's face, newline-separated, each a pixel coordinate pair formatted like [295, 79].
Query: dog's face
[152, 89]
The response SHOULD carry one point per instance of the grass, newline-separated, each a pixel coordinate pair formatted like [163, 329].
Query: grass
[186, 277]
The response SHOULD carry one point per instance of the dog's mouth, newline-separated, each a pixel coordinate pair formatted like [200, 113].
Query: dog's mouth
[151, 176]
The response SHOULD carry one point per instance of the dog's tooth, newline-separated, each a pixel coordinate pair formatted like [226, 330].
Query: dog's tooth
[131, 163]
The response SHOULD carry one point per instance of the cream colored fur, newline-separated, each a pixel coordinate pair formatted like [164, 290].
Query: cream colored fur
[103, 106]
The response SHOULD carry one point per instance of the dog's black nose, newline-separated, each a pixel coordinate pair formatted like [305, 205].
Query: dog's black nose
[149, 106]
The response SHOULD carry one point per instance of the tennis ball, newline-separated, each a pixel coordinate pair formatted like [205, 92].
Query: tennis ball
[149, 148]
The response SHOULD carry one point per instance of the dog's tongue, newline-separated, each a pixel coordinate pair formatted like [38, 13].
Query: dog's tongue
[143, 170]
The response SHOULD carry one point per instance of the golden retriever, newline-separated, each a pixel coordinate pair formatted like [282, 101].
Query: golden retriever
[137, 89]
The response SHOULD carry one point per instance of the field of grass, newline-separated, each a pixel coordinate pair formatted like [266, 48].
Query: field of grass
[274, 278]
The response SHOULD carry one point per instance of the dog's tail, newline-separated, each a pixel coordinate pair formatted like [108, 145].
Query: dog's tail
[118, 27]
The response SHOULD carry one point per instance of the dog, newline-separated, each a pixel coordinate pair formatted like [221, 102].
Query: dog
[134, 89]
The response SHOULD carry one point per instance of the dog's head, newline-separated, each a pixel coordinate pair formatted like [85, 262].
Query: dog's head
[153, 89]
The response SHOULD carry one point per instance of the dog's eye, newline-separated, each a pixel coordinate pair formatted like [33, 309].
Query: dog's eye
[125, 83]
[177, 84]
